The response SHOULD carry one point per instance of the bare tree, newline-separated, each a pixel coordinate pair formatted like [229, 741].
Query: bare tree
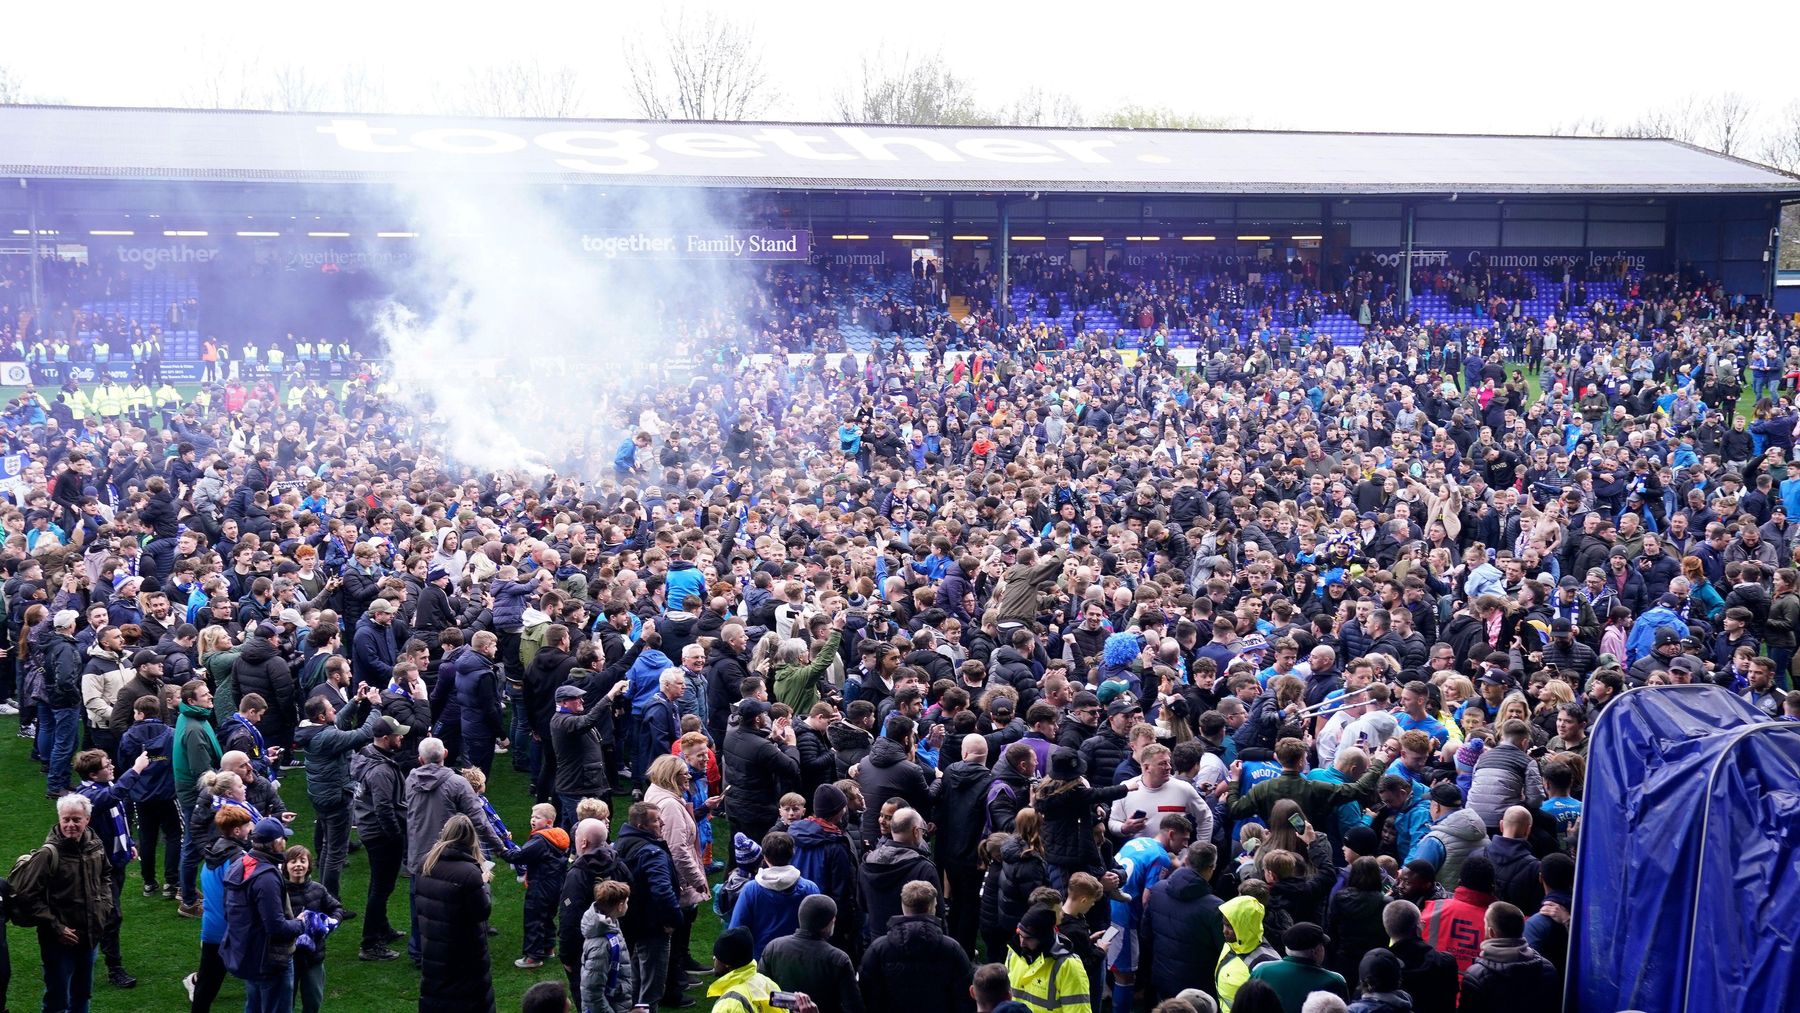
[1724, 121]
[292, 89]
[1582, 126]
[521, 88]
[1040, 108]
[12, 87]
[1677, 121]
[699, 67]
[361, 90]
[1781, 144]
[1134, 116]
[910, 89]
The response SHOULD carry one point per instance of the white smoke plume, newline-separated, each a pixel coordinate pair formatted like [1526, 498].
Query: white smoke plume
[511, 343]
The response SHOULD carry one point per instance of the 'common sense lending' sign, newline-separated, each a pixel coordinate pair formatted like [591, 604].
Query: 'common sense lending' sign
[758, 244]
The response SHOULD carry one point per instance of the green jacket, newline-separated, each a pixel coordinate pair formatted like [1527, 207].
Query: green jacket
[196, 748]
[798, 685]
[1294, 978]
[218, 675]
[1317, 799]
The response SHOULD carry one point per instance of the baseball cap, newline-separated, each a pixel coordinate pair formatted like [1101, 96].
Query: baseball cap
[145, 657]
[266, 629]
[750, 710]
[1125, 703]
[1666, 636]
[381, 606]
[1561, 625]
[1686, 663]
[1445, 793]
[385, 725]
[269, 829]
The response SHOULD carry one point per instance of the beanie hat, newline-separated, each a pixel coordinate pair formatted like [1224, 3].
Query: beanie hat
[1380, 971]
[829, 801]
[1363, 840]
[1040, 924]
[1469, 754]
[816, 912]
[734, 946]
[744, 851]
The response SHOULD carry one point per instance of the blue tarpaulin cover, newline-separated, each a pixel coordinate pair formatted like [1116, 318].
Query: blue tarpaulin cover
[1686, 878]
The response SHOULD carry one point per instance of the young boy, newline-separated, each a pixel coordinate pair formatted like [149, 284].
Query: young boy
[746, 858]
[793, 810]
[305, 896]
[606, 983]
[543, 859]
[95, 769]
[1559, 779]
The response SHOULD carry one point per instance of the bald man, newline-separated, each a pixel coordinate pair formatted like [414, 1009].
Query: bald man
[1515, 869]
[962, 823]
[594, 862]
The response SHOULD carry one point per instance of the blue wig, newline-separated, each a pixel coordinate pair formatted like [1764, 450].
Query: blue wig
[1121, 650]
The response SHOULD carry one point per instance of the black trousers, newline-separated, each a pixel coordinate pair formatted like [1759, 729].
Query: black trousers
[964, 882]
[159, 823]
[385, 857]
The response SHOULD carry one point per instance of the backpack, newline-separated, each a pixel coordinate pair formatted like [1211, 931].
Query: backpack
[24, 877]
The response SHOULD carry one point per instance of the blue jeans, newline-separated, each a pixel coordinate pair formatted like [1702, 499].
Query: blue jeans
[65, 736]
[567, 804]
[271, 994]
[68, 975]
[190, 854]
[40, 744]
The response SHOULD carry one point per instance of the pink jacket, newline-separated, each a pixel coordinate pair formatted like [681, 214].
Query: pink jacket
[683, 839]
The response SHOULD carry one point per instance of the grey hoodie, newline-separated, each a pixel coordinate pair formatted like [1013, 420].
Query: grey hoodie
[434, 793]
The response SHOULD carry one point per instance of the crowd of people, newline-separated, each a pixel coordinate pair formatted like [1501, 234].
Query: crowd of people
[1010, 680]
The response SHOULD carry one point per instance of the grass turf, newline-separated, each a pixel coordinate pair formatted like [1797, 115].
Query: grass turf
[161, 949]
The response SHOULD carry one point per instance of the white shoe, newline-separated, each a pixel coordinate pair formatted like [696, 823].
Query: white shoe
[188, 983]
[7, 709]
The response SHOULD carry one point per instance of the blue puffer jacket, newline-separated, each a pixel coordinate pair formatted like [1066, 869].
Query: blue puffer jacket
[477, 697]
[509, 602]
[219, 856]
[259, 927]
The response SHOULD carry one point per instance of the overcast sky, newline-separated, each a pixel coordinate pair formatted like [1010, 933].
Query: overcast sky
[1506, 68]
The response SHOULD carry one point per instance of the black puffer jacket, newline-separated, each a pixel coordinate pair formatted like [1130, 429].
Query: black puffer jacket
[589, 870]
[62, 671]
[432, 613]
[757, 773]
[884, 872]
[1014, 669]
[725, 671]
[887, 773]
[849, 744]
[1021, 872]
[450, 909]
[261, 669]
[1182, 934]
[915, 966]
[1103, 753]
[1068, 811]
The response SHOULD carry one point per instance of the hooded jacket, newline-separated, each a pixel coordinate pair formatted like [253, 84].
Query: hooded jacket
[434, 793]
[823, 854]
[588, 870]
[477, 697]
[913, 965]
[196, 750]
[887, 773]
[62, 672]
[605, 962]
[726, 670]
[218, 856]
[1509, 975]
[1021, 871]
[1181, 934]
[807, 962]
[378, 795]
[1449, 843]
[260, 927]
[961, 812]
[1054, 981]
[850, 744]
[1243, 952]
[798, 685]
[890, 866]
[769, 905]
[682, 578]
[261, 669]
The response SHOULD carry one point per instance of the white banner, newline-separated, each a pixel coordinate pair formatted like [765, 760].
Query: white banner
[14, 374]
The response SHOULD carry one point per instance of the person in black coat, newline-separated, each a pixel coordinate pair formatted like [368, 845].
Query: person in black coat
[451, 904]
[889, 771]
[1354, 919]
[1427, 974]
[478, 700]
[812, 738]
[761, 764]
[261, 669]
[594, 863]
[1509, 974]
[548, 670]
[913, 965]
[897, 860]
[433, 613]
[655, 910]
[1067, 803]
[1107, 748]
[1182, 932]
[727, 666]
[961, 819]
[807, 962]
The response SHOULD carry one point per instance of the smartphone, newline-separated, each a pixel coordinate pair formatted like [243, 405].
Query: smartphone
[784, 1000]
[1298, 822]
[1140, 814]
